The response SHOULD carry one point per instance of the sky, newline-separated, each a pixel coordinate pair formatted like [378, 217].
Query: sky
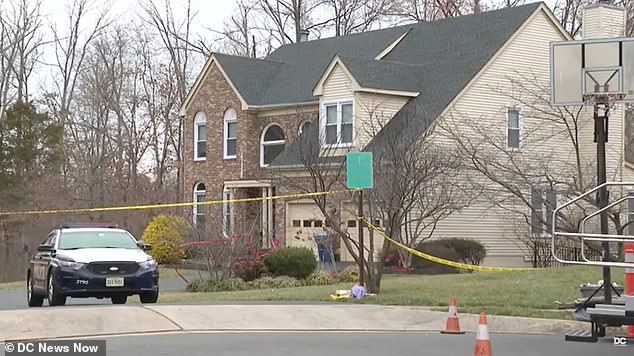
[211, 14]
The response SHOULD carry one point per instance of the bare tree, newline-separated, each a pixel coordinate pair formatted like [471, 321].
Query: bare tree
[29, 40]
[416, 186]
[286, 19]
[413, 186]
[238, 34]
[160, 99]
[71, 46]
[353, 16]
[569, 14]
[20, 45]
[629, 7]
[527, 184]
[430, 10]
[176, 44]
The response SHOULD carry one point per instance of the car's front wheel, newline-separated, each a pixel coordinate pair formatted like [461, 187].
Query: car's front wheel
[119, 299]
[33, 299]
[54, 297]
[149, 298]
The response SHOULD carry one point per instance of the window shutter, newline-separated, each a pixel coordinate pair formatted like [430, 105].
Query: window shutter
[536, 211]
[551, 204]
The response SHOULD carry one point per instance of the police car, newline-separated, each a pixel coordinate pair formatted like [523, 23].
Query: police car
[88, 260]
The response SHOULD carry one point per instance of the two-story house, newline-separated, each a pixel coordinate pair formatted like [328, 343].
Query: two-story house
[243, 115]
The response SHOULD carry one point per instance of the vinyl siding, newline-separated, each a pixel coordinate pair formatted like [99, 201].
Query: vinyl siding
[482, 108]
[337, 86]
[372, 112]
[603, 22]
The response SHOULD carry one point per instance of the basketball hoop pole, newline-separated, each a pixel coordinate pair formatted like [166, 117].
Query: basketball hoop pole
[601, 137]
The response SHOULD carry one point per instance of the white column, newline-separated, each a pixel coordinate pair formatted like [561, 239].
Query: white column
[232, 213]
[264, 219]
[269, 217]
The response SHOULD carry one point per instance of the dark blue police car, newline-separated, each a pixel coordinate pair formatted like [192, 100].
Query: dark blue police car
[88, 260]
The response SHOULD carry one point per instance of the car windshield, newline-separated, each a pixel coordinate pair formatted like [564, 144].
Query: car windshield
[70, 240]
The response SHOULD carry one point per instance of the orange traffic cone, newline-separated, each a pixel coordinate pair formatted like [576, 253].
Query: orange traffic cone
[483, 343]
[453, 325]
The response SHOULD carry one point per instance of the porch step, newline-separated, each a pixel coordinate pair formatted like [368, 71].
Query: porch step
[581, 335]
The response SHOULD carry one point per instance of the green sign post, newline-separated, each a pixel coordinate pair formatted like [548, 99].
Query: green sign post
[359, 172]
[359, 175]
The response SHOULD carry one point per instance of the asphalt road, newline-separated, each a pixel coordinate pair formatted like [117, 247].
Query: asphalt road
[16, 298]
[351, 343]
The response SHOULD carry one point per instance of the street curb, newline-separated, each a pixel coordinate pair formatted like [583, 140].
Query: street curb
[89, 321]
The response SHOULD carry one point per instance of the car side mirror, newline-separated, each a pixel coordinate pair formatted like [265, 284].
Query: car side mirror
[143, 246]
[45, 248]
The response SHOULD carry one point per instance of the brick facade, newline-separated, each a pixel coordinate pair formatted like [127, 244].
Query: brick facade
[214, 97]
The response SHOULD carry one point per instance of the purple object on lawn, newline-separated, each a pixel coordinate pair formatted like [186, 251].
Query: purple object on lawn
[358, 291]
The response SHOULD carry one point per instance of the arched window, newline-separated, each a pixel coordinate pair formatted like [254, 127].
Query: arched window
[303, 127]
[199, 210]
[200, 136]
[230, 140]
[271, 144]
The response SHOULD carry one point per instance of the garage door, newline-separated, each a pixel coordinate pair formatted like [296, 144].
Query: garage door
[303, 220]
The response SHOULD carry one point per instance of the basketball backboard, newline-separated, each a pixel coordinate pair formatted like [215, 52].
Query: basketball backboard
[583, 68]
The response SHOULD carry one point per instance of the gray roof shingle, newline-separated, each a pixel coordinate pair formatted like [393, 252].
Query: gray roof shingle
[437, 59]
[251, 76]
[289, 74]
[382, 74]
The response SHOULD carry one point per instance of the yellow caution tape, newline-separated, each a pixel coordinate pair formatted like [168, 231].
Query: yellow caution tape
[247, 200]
[443, 261]
[169, 205]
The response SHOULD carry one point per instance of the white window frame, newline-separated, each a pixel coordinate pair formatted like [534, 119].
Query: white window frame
[200, 120]
[323, 119]
[197, 193]
[520, 124]
[227, 212]
[227, 120]
[269, 143]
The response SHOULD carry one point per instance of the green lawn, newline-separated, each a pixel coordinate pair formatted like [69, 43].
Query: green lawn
[531, 293]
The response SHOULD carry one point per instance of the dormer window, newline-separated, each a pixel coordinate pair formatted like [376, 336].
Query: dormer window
[337, 123]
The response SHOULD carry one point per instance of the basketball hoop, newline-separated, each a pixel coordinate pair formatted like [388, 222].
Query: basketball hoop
[594, 71]
[608, 99]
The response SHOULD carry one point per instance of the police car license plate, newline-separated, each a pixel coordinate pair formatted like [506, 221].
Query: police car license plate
[114, 281]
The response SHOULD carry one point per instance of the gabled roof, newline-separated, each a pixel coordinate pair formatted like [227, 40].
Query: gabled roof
[384, 74]
[437, 59]
[306, 61]
[251, 76]
[288, 75]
